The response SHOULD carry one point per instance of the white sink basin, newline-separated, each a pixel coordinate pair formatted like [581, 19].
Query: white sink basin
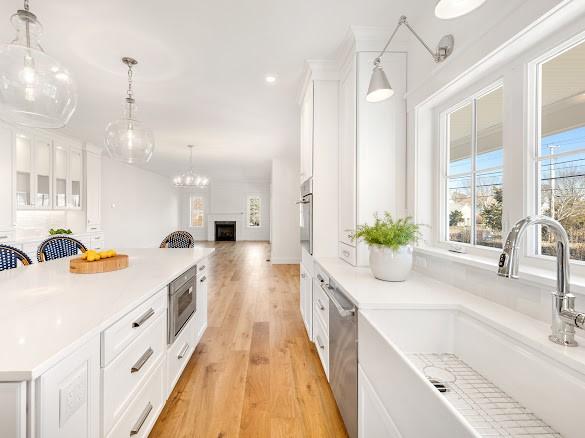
[516, 388]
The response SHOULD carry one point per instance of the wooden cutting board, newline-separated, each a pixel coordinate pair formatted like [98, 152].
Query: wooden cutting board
[80, 266]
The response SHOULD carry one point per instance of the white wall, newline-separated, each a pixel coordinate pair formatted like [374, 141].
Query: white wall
[139, 208]
[228, 199]
[286, 246]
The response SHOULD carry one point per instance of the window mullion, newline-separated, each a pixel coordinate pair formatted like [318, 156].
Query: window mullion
[473, 169]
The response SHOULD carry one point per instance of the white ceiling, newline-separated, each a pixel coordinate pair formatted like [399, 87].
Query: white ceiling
[202, 64]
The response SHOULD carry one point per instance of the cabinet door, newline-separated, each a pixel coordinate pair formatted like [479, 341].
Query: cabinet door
[24, 170]
[307, 135]
[60, 176]
[347, 156]
[75, 177]
[201, 313]
[42, 172]
[306, 300]
[373, 419]
[69, 395]
[93, 177]
[13, 409]
[6, 180]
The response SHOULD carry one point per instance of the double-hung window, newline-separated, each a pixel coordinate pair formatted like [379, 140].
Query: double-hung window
[253, 211]
[197, 212]
[474, 169]
[560, 154]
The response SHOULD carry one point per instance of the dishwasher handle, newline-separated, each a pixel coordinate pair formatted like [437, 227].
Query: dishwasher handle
[343, 312]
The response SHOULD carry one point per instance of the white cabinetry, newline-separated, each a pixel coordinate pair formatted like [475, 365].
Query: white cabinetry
[93, 183]
[373, 419]
[201, 291]
[7, 190]
[372, 147]
[306, 300]
[68, 174]
[69, 395]
[13, 409]
[307, 134]
[320, 306]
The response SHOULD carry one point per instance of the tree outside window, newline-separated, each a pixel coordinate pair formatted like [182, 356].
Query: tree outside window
[254, 211]
[197, 213]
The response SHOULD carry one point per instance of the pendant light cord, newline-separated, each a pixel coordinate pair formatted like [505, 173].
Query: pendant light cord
[26, 7]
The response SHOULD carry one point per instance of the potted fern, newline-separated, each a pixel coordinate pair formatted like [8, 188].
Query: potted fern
[390, 245]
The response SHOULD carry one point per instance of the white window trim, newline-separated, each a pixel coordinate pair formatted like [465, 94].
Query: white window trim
[191, 197]
[250, 196]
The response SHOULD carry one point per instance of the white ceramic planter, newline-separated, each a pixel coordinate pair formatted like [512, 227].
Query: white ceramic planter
[391, 265]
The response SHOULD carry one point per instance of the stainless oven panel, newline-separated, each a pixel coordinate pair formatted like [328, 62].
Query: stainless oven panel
[306, 215]
[182, 302]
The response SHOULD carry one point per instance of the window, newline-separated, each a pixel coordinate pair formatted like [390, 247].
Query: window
[197, 212]
[253, 211]
[474, 195]
[560, 155]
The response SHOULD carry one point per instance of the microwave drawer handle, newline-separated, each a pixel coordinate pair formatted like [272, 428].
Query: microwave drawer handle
[143, 359]
[201, 268]
[342, 312]
[183, 351]
[141, 420]
[147, 315]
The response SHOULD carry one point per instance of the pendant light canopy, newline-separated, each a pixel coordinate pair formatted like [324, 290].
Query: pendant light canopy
[447, 9]
[36, 90]
[128, 139]
[380, 89]
[189, 179]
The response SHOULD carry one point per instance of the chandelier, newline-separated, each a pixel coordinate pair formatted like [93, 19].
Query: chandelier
[35, 89]
[128, 139]
[188, 178]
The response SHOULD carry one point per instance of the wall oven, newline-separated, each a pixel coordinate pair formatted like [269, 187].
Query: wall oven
[182, 302]
[306, 215]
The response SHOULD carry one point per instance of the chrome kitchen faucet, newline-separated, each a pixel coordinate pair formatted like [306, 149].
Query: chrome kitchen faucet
[564, 316]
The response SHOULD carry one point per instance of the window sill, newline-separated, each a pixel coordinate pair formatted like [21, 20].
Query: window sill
[528, 274]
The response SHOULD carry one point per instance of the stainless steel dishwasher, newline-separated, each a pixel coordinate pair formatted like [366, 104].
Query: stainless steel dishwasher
[343, 356]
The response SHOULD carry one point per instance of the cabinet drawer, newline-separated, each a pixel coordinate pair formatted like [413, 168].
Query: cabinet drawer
[348, 253]
[321, 303]
[321, 335]
[125, 374]
[138, 419]
[116, 337]
[202, 267]
[6, 237]
[179, 353]
[97, 240]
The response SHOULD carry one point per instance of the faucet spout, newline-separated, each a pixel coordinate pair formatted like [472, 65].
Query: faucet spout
[564, 316]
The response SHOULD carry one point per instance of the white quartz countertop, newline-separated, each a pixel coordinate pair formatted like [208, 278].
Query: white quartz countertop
[420, 291]
[46, 311]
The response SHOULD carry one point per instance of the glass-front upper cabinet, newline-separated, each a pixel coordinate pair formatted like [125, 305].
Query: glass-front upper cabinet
[42, 160]
[60, 174]
[75, 177]
[24, 170]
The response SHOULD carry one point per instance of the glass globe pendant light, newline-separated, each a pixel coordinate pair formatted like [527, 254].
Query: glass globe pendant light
[189, 179]
[36, 90]
[128, 139]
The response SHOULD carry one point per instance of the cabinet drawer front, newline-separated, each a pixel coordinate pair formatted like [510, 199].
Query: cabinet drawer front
[321, 336]
[121, 333]
[348, 253]
[180, 352]
[138, 419]
[6, 237]
[321, 303]
[128, 371]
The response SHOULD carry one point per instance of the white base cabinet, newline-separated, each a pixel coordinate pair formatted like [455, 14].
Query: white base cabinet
[13, 409]
[306, 299]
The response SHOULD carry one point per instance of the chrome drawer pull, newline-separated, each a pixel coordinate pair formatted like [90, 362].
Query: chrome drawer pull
[201, 268]
[183, 351]
[203, 279]
[143, 318]
[346, 253]
[320, 303]
[3, 237]
[141, 420]
[143, 359]
[320, 343]
[303, 275]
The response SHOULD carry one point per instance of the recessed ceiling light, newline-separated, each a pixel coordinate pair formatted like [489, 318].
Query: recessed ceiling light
[447, 9]
[271, 79]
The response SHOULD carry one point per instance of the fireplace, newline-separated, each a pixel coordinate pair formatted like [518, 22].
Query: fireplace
[225, 230]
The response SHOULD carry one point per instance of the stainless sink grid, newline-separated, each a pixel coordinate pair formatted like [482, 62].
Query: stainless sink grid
[489, 410]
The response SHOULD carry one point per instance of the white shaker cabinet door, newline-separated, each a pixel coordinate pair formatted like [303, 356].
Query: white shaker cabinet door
[69, 395]
[13, 409]
[347, 156]
[307, 134]
[6, 182]
[93, 172]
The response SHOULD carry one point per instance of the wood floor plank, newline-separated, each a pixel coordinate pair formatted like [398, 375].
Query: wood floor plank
[255, 373]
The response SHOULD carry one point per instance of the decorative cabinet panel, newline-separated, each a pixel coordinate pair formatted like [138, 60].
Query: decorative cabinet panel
[307, 135]
[69, 395]
[372, 154]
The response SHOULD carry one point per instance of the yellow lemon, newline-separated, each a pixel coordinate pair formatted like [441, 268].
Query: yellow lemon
[104, 254]
[113, 252]
[84, 256]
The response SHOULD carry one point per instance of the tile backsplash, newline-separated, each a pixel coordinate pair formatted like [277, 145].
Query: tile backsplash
[527, 298]
[30, 223]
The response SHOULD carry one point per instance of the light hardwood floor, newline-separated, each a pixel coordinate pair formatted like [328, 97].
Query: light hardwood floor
[255, 373]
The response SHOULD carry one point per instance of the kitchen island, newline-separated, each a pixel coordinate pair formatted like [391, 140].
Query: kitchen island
[80, 351]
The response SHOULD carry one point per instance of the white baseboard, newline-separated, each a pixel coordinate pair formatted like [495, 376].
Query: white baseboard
[285, 261]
